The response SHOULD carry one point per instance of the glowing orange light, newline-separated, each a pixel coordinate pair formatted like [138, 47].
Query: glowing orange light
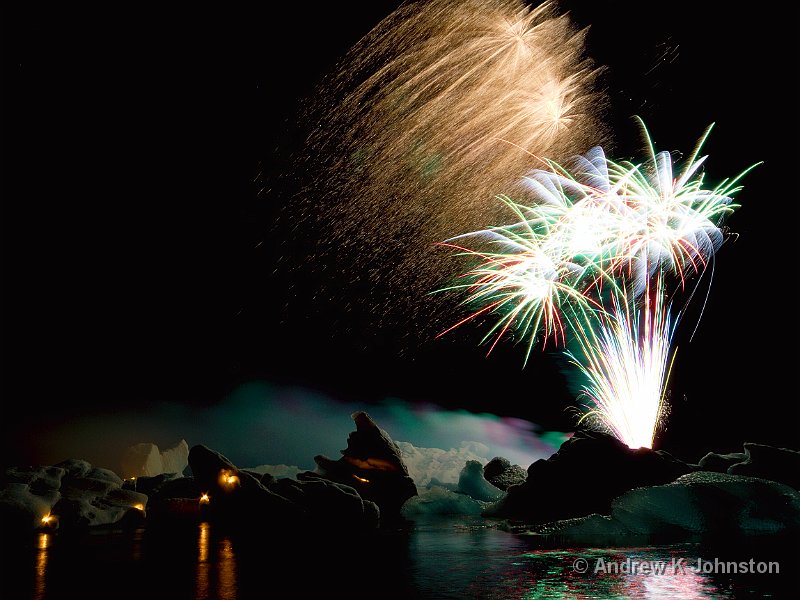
[228, 478]
[205, 499]
[361, 479]
[139, 506]
[47, 519]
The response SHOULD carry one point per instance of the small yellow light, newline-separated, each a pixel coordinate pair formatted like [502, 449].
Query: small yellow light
[139, 506]
[204, 499]
[47, 519]
[361, 479]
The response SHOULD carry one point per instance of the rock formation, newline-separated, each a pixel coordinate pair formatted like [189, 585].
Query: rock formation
[241, 497]
[502, 474]
[373, 465]
[587, 472]
[698, 506]
[72, 494]
[758, 460]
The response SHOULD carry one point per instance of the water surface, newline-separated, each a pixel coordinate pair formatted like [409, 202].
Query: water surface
[432, 558]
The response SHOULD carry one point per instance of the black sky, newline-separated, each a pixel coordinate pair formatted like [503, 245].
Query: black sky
[141, 149]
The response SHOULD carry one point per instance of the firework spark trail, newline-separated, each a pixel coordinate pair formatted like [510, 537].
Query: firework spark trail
[598, 242]
[626, 355]
[420, 125]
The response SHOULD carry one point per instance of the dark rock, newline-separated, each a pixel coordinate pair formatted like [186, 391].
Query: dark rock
[372, 464]
[240, 497]
[266, 479]
[757, 460]
[496, 467]
[235, 494]
[327, 499]
[171, 510]
[720, 462]
[695, 507]
[181, 487]
[587, 472]
[502, 474]
[148, 485]
[174, 498]
[768, 462]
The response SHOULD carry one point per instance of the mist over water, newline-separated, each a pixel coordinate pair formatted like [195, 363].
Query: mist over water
[263, 423]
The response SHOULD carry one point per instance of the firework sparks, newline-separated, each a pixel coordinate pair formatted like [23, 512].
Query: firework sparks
[589, 259]
[625, 359]
[521, 277]
[417, 129]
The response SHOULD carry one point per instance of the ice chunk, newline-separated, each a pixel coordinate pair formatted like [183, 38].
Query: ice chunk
[692, 507]
[472, 482]
[20, 507]
[426, 464]
[441, 501]
[146, 460]
[74, 492]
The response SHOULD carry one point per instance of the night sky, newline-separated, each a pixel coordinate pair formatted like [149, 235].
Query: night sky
[143, 153]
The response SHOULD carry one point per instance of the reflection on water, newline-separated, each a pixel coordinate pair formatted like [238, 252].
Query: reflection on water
[43, 543]
[469, 559]
[138, 543]
[439, 558]
[203, 565]
[226, 568]
[553, 574]
[216, 566]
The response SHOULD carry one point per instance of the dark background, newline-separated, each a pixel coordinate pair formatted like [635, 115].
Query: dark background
[142, 154]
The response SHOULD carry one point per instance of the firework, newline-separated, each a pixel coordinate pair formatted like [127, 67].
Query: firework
[625, 358]
[589, 261]
[415, 131]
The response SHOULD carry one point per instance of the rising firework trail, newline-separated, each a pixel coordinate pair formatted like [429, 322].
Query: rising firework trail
[589, 261]
[625, 358]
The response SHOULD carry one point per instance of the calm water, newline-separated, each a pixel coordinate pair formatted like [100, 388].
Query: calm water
[459, 558]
